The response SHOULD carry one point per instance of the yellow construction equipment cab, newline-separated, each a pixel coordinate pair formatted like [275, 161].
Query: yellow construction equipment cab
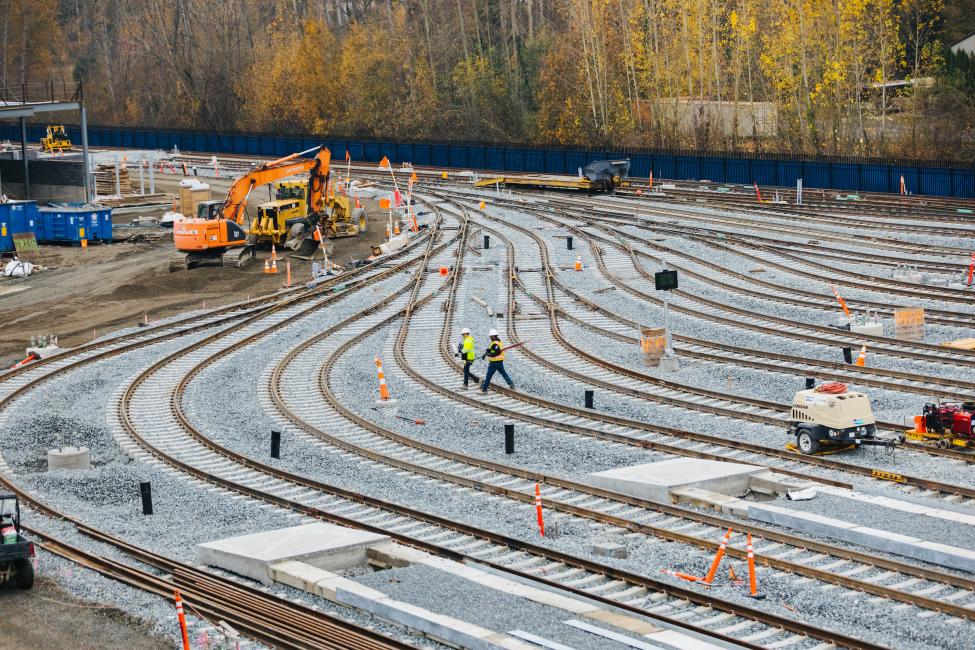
[56, 139]
[342, 218]
[275, 218]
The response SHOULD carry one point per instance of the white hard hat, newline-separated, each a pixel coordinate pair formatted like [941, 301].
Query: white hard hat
[493, 333]
[465, 331]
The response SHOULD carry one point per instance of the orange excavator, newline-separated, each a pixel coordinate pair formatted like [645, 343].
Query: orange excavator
[217, 232]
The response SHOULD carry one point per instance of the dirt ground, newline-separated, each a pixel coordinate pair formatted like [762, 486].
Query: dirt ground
[80, 625]
[110, 286]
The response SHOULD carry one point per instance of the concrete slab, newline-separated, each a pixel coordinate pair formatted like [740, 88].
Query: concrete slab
[321, 545]
[655, 481]
[710, 499]
[927, 551]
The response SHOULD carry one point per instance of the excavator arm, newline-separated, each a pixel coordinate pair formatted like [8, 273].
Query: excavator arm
[236, 202]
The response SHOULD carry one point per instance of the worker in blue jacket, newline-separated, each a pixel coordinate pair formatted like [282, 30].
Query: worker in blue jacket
[495, 357]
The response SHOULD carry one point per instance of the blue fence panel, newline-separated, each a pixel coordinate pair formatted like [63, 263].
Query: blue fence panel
[843, 176]
[439, 155]
[764, 172]
[534, 160]
[737, 170]
[665, 166]
[874, 178]
[514, 159]
[688, 168]
[816, 174]
[457, 157]
[911, 178]
[640, 166]
[963, 183]
[935, 181]
[494, 158]
[575, 159]
[789, 172]
[712, 169]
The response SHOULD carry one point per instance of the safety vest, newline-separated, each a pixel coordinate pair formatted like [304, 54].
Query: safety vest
[500, 356]
[468, 349]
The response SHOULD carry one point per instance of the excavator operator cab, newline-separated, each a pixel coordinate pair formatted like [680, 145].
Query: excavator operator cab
[209, 210]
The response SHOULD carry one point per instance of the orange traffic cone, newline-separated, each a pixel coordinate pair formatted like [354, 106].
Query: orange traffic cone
[682, 576]
[538, 510]
[274, 266]
[862, 357]
[717, 558]
[383, 388]
[752, 582]
[182, 620]
[483, 205]
[396, 227]
[274, 252]
[267, 266]
[578, 262]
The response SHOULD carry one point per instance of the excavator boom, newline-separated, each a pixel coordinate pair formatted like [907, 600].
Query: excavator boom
[236, 202]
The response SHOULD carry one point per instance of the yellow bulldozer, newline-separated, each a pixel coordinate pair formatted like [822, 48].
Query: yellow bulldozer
[276, 219]
[56, 139]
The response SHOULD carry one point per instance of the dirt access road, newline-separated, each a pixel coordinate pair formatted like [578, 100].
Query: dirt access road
[107, 287]
[72, 623]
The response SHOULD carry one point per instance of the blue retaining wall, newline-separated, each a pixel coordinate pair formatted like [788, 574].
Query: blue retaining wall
[846, 174]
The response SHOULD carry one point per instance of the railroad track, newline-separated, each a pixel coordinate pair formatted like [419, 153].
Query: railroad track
[910, 484]
[273, 488]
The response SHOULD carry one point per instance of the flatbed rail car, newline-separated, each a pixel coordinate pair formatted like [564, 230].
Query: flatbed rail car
[599, 176]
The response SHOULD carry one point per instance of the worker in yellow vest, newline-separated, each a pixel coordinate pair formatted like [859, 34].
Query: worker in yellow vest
[465, 350]
[495, 357]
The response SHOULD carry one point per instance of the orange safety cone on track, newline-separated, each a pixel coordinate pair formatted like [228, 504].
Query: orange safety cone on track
[862, 357]
[267, 266]
[274, 266]
[717, 558]
[538, 510]
[578, 262]
[396, 227]
[752, 581]
[274, 252]
[383, 388]
[182, 620]
[682, 576]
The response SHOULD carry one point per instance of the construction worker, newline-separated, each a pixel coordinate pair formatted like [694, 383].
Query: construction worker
[465, 350]
[495, 357]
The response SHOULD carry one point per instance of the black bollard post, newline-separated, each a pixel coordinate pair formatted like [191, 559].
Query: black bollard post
[810, 382]
[275, 444]
[509, 438]
[589, 395]
[487, 242]
[146, 490]
[568, 242]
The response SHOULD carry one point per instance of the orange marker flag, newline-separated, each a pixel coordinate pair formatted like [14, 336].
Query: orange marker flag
[384, 163]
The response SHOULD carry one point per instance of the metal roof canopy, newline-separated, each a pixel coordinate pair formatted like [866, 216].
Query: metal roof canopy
[23, 109]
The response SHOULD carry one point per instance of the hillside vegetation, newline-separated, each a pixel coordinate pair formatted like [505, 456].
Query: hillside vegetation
[801, 76]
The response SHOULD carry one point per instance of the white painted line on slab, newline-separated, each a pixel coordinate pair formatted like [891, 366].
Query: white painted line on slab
[537, 640]
[607, 634]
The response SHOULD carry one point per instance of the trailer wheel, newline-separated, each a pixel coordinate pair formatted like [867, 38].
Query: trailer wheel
[806, 443]
[24, 576]
[944, 443]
